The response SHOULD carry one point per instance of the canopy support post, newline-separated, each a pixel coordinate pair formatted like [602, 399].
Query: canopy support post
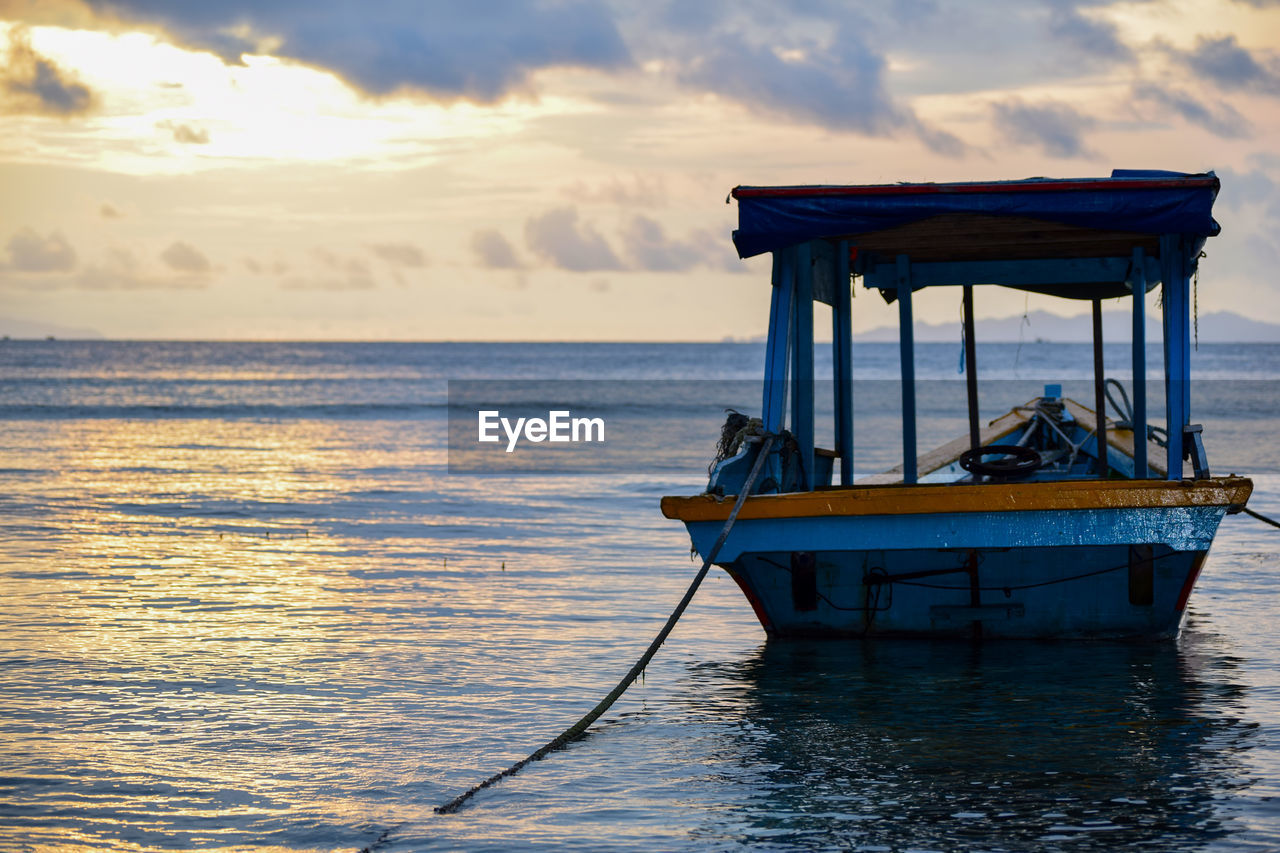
[1138, 283]
[1176, 288]
[842, 338]
[906, 349]
[773, 406]
[1099, 391]
[971, 367]
[802, 366]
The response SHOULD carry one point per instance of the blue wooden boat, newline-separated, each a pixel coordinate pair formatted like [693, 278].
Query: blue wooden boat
[1048, 522]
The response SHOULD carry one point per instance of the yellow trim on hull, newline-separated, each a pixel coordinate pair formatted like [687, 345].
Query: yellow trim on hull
[1061, 495]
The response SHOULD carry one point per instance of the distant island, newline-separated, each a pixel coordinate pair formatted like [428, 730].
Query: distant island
[12, 327]
[1217, 327]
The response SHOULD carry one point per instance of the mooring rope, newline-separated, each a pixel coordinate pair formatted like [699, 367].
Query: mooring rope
[1260, 516]
[574, 731]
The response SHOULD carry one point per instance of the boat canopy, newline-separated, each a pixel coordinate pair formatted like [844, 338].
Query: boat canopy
[1082, 238]
[1087, 227]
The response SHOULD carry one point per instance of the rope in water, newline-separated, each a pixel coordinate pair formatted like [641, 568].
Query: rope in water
[1260, 516]
[576, 730]
[1125, 410]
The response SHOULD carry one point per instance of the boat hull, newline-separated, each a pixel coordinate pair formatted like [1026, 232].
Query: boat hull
[1077, 592]
[1098, 559]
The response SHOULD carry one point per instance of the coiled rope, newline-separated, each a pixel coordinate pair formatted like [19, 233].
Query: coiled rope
[1124, 409]
[577, 729]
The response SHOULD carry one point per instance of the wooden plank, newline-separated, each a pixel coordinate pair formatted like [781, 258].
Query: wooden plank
[948, 453]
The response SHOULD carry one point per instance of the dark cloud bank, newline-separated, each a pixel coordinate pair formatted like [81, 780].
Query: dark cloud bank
[489, 50]
[34, 84]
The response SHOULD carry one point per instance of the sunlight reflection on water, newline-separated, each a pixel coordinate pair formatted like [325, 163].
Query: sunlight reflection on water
[295, 634]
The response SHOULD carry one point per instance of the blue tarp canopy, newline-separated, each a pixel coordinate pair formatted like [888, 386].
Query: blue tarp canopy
[1033, 218]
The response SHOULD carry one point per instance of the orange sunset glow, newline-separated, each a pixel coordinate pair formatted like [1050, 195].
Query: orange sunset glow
[558, 171]
[396, 455]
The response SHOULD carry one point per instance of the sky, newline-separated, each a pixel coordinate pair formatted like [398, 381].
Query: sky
[558, 169]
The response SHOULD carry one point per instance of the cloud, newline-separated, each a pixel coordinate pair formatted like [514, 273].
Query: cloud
[494, 251]
[188, 135]
[1222, 119]
[840, 85]
[30, 252]
[35, 85]
[1271, 217]
[557, 236]
[328, 283]
[1238, 188]
[49, 262]
[812, 62]
[478, 51]
[641, 190]
[120, 269]
[185, 258]
[109, 211]
[1223, 61]
[258, 267]
[1054, 126]
[338, 273]
[400, 254]
[336, 262]
[651, 249]
[938, 140]
[820, 63]
[1094, 38]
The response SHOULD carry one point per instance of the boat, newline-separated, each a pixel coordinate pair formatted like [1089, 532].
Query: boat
[1052, 521]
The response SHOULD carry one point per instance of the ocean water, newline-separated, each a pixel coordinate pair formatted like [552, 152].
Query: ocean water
[246, 602]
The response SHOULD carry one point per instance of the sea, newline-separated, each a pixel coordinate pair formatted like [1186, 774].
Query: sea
[260, 596]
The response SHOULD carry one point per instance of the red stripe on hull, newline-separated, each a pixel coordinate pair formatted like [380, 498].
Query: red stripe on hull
[753, 600]
[995, 187]
[1190, 582]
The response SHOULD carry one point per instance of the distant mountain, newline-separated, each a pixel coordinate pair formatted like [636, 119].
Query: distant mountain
[12, 327]
[1217, 327]
[1226, 327]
